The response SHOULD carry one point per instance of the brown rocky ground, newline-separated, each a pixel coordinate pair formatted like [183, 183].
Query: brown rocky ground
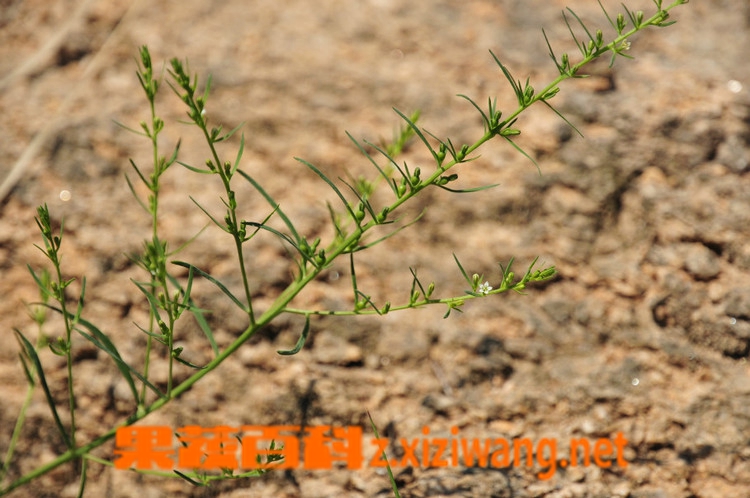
[646, 330]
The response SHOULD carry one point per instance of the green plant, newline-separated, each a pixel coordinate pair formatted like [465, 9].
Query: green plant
[169, 296]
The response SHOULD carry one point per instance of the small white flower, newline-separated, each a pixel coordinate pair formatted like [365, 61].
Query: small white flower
[484, 288]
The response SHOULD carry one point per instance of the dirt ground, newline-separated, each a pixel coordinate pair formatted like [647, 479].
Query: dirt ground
[644, 332]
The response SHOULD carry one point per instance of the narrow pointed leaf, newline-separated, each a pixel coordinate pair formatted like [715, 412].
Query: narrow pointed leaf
[216, 222]
[101, 341]
[560, 68]
[484, 116]
[580, 45]
[194, 310]
[562, 117]
[31, 355]
[516, 85]
[369, 301]
[232, 132]
[588, 33]
[273, 204]
[196, 170]
[132, 130]
[468, 190]
[390, 159]
[26, 371]
[261, 226]
[188, 364]
[388, 236]
[132, 191]
[463, 272]
[368, 156]
[394, 485]
[330, 184]
[364, 201]
[419, 133]
[611, 22]
[173, 158]
[519, 149]
[240, 151]
[140, 175]
[79, 308]
[42, 287]
[300, 342]
[188, 479]
[214, 281]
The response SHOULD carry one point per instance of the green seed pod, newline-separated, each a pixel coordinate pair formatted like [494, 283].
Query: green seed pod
[383, 215]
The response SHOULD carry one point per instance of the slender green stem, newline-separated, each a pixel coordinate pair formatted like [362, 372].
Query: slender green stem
[61, 297]
[153, 206]
[232, 212]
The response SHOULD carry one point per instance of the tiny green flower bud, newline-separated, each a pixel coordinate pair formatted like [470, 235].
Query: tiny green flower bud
[621, 23]
[443, 180]
[509, 132]
[320, 258]
[460, 155]
[304, 247]
[414, 297]
[359, 213]
[401, 189]
[565, 62]
[383, 215]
